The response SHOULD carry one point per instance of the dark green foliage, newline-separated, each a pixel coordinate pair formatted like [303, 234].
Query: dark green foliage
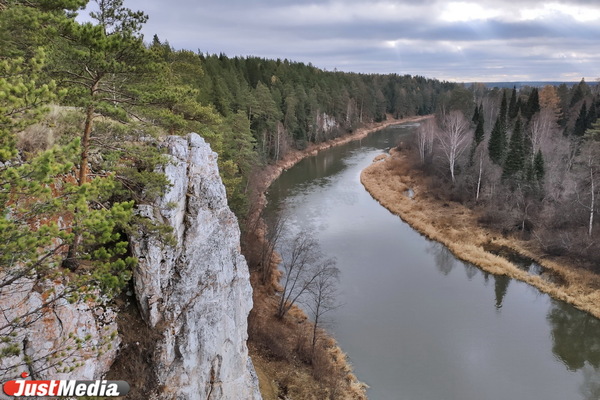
[592, 115]
[533, 104]
[581, 122]
[497, 143]
[513, 107]
[519, 107]
[503, 115]
[538, 166]
[479, 132]
[475, 115]
[514, 166]
[579, 92]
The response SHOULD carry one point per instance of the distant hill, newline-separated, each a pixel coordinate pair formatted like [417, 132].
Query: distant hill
[510, 85]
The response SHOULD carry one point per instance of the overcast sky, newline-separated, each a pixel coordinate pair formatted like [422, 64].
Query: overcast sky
[484, 40]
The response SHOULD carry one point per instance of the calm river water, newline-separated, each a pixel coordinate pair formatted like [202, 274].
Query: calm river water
[418, 324]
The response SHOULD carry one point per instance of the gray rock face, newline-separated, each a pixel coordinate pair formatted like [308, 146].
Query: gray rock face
[197, 294]
[52, 339]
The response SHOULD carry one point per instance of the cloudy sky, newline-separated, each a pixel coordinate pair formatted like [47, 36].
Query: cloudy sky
[483, 40]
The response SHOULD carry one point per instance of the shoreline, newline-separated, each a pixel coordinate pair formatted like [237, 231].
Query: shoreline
[272, 171]
[455, 226]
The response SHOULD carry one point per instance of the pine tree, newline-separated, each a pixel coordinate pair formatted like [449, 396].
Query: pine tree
[98, 64]
[479, 134]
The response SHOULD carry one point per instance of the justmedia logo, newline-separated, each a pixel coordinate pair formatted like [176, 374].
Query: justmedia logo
[64, 388]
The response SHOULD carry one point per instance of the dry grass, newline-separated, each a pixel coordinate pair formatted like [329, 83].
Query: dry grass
[457, 227]
[281, 353]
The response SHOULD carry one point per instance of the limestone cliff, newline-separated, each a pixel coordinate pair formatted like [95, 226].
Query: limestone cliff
[53, 335]
[197, 294]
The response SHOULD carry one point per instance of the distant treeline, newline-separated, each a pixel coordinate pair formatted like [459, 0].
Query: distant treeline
[267, 107]
[527, 84]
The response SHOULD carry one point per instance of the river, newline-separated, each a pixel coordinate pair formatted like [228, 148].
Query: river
[418, 324]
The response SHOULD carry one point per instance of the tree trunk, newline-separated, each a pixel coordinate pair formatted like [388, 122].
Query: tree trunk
[479, 178]
[592, 205]
[314, 338]
[85, 144]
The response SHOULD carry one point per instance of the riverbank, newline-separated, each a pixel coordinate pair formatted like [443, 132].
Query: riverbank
[284, 372]
[456, 226]
[271, 172]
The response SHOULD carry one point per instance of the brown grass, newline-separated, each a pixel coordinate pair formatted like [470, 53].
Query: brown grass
[281, 353]
[457, 227]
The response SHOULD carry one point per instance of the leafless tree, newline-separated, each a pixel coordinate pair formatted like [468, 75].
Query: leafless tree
[453, 138]
[302, 265]
[542, 127]
[273, 232]
[590, 157]
[321, 296]
[425, 138]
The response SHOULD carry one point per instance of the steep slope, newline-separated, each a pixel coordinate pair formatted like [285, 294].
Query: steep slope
[196, 294]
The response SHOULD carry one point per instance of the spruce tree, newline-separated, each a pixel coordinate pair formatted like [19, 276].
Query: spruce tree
[515, 159]
[538, 166]
[513, 109]
[475, 115]
[581, 122]
[592, 115]
[497, 143]
[502, 116]
[533, 104]
[479, 133]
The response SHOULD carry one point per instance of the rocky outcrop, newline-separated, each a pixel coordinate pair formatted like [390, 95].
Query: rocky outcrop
[196, 293]
[54, 338]
[326, 123]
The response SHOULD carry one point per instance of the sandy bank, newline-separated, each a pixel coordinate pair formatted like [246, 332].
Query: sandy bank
[456, 226]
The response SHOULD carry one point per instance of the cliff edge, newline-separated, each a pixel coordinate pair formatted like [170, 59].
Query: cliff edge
[196, 294]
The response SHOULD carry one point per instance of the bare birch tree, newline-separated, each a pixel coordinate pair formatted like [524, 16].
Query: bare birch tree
[425, 138]
[590, 157]
[542, 127]
[453, 138]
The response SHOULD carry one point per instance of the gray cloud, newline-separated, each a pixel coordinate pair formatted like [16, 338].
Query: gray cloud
[486, 40]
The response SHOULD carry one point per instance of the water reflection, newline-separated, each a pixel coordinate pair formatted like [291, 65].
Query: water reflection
[575, 336]
[501, 283]
[576, 342]
[444, 259]
[590, 388]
